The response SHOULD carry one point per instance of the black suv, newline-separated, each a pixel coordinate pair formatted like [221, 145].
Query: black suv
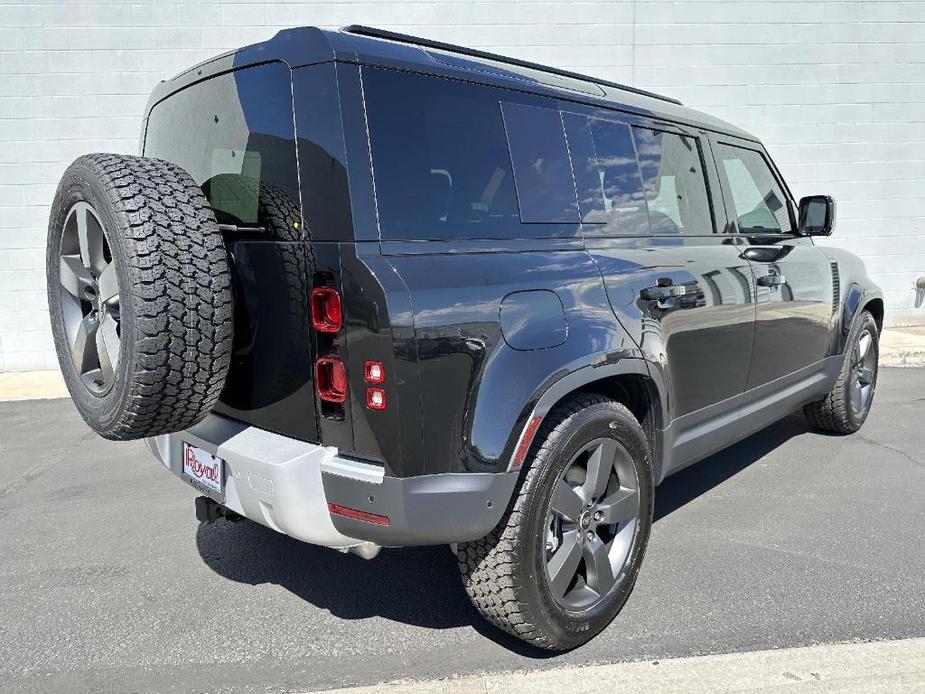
[371, 290]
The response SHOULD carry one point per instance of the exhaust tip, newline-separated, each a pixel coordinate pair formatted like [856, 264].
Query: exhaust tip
[366, 550]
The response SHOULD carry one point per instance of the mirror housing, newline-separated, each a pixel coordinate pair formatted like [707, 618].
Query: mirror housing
[817, 215]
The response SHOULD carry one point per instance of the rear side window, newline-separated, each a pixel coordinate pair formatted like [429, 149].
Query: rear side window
[234, 135]
[440, 158]
[542, 172]
[607, 176]
[674, 184]
[760, 203]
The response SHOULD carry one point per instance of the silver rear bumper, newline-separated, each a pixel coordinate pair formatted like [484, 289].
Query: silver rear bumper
[271, 479]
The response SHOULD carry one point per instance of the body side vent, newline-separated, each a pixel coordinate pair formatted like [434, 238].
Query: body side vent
[836, 288]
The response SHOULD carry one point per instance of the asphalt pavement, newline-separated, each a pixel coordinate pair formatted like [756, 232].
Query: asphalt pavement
[108, 582]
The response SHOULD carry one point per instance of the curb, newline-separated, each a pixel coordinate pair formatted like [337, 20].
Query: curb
[843, 668]
[32, 385]
[902, 358]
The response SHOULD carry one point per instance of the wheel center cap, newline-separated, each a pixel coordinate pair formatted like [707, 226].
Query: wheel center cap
[584, 520]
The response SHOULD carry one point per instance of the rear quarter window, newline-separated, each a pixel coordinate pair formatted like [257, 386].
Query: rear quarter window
[443, 167]
[542, 171]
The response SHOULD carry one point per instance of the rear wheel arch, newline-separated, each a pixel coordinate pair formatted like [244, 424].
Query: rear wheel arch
[627, 382]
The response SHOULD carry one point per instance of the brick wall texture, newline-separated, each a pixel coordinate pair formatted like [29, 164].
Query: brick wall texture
[836, 90]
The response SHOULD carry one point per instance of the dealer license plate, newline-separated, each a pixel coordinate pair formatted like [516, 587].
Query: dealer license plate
[203, 469]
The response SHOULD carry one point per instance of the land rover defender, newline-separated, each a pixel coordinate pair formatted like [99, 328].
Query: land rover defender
[370, 290]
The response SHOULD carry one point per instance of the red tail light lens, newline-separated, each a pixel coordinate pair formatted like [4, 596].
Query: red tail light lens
[373, 372]
[375, 399]
[331, 379]
[327, 314]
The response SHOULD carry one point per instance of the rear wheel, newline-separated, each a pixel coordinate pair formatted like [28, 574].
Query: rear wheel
[565, 557]
[845, 408]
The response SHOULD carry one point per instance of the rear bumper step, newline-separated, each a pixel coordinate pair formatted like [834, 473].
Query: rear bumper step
[292, 486]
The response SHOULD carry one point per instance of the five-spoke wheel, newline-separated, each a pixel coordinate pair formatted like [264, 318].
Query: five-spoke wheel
[563, 561]
[863, 372]
[90, 298]
[845, 407]
[590, 524]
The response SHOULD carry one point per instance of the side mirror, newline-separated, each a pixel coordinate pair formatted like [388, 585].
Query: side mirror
[817, 215]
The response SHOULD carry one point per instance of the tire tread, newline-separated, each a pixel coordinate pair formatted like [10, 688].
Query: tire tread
[833, 412]
[488, 565]
[181, 285]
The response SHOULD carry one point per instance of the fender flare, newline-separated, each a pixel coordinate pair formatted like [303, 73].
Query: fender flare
[856, 300]
[530, 423]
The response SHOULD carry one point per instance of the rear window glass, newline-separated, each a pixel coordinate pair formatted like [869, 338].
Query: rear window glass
[440, 158]
[542, 172]
[234, 135]
[674, 184]
[450, 160]
[606, 176]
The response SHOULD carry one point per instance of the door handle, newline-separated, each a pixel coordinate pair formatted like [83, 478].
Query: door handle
[771, 281]
[662, 291]
[765, 254]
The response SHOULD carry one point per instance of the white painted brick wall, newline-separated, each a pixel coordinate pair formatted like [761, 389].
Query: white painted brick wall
[835, 89]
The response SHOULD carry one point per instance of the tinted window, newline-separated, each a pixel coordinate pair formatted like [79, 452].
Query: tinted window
[542, 173]
[440, 158]
[673, 181]
[618, 172]
[760, 203]
[234, 135]
[606, 176]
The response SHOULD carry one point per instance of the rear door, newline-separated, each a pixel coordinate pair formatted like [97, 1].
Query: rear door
[234, 134]
[793, 278]
[651, 218]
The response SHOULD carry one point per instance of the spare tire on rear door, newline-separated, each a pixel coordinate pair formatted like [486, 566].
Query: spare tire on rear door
[139, 295]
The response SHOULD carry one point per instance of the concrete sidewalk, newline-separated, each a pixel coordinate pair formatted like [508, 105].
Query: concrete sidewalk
[903, 347]
[885, 666]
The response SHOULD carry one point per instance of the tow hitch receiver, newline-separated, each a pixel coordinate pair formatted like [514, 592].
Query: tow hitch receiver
[208, 511]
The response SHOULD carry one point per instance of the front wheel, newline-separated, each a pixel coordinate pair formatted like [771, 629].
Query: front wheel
[845, 408]
[564, 559]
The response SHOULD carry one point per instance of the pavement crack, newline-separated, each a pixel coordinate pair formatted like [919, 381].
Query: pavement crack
[894, 449]
[36, 471]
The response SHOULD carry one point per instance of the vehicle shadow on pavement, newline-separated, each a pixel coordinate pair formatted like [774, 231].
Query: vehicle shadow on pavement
[686, 485]
[421, 586]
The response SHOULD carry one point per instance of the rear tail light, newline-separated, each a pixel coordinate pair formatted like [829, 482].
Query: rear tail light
[375, 398]
[373, 372]
[331, 379]
[327, 314]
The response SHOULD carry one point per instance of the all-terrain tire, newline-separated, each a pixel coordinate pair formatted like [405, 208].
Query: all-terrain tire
[835, 412]
[504, 572]
[174, 305]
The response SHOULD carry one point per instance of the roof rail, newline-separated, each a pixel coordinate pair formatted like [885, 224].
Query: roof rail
[361, 30]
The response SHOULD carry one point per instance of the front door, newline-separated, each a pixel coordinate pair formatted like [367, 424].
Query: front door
[793, 278]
